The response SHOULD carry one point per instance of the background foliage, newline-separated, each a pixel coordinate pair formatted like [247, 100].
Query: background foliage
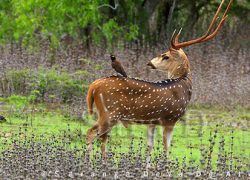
[28, 22]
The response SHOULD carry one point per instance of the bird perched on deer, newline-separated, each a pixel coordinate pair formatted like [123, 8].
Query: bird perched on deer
[117, 66]
[129, 100]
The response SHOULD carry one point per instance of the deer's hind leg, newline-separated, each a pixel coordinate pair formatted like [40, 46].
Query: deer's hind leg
[104, 129]
[104, 139]
[94, 131]
[91, 135]
[100, 130]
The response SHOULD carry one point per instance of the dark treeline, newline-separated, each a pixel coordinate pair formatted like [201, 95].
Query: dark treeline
[28, 22]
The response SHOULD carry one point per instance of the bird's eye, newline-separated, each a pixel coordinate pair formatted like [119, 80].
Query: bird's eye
[165, 58]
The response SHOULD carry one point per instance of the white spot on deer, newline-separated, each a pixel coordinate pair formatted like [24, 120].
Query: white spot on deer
[103, 103]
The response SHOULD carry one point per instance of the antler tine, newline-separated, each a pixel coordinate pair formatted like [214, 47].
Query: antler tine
[172, 39]
[173, 34]
[215, 31]
[214, 19]
[207, 35]
[177, 36]
[224, 17]
[180, 31]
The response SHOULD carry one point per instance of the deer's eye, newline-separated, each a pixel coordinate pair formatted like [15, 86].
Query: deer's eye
[165, 58]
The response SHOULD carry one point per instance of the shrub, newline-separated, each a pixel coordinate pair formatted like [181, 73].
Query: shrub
[44, 85]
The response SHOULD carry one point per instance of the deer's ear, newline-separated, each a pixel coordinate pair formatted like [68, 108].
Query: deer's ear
[174, 53]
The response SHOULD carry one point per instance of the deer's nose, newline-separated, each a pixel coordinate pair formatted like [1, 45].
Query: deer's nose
[151, 65]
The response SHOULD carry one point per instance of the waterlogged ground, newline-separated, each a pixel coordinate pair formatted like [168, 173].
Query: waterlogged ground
[36, 142]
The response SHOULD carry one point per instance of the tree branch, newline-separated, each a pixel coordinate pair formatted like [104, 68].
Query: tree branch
[108, 5]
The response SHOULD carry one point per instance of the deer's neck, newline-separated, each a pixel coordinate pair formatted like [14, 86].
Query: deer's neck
[181, 85]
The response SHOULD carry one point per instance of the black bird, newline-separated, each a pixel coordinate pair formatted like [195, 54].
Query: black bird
[2, 119]
[117, 66]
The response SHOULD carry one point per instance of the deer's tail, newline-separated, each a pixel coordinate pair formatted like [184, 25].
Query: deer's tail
[90, 100]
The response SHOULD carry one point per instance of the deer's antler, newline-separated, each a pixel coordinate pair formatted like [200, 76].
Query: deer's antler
[208, 35]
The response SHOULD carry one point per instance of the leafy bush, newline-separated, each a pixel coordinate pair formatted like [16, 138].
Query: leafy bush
[45, 85]
[16, 80]
[17, 101]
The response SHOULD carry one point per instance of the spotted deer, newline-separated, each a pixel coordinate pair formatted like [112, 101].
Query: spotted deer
[128, 100]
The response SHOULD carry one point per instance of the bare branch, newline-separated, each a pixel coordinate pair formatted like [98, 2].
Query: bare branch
[108, 5]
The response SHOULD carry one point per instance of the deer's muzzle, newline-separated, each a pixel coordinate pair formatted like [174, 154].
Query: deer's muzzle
[151, 65]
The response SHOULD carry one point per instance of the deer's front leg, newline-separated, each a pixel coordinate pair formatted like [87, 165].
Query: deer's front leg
[167, 136]
[151, 137]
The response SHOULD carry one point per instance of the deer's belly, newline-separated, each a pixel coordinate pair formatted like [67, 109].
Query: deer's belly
[156, 117]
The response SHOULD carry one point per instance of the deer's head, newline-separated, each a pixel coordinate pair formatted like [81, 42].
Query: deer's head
[175, 61]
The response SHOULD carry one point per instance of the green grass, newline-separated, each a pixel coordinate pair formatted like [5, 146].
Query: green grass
[190, 134]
